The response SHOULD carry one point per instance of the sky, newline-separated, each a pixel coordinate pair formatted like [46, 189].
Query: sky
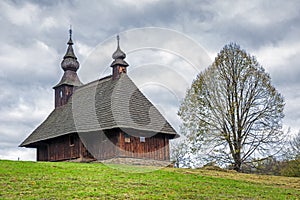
[167, 43]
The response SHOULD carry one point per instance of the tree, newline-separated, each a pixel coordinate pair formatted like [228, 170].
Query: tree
[180, 154]
[295, 146]
[232, 109]
[291, 166]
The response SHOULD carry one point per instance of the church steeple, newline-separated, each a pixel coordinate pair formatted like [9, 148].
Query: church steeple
[119, 65]
[70, 60]
[70, 65]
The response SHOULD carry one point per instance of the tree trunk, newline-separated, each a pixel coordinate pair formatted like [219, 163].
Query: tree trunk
[237, 162]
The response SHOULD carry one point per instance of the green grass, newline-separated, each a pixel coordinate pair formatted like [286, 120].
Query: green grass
[62, 180]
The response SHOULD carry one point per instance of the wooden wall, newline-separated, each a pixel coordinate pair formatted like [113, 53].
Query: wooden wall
[62, 95]
[60, 148]
[111, 144]
[103, 145]
[42, 152]
[155, 147]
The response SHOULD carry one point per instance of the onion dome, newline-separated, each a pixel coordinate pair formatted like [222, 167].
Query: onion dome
[119, 56]
[118, 53]
[70, 65]
[70, 60]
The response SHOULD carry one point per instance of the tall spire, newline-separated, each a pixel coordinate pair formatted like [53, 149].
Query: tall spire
[70, 60]
[64, 89]
[70, 42]
[119, 55]
[70, 65]
[119, 65]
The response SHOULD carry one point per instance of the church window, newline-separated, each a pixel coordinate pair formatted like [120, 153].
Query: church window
[127, 138]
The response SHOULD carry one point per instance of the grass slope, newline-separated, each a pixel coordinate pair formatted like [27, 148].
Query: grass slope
[48, 180]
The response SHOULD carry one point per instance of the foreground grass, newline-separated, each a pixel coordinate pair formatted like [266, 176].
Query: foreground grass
[42, 180]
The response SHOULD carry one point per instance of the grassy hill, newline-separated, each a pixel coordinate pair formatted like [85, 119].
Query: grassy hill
[42, 180]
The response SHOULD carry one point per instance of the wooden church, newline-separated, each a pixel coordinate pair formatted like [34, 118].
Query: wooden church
[104, 119]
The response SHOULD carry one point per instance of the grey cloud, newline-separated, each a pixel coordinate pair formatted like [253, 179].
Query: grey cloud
[32, 48]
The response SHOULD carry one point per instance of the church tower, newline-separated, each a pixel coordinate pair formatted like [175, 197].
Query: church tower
[64, 89]
[119, 65]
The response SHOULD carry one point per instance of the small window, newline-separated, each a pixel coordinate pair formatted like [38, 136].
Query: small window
[60, 93]
[127, 138]
[72, 140]
[142, 139]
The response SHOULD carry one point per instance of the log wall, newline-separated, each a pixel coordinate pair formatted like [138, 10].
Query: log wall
[155, 147]
[62, 95]
[60, 148]
[104, 145]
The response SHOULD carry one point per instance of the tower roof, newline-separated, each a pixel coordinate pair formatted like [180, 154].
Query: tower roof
[118, 53]
[70, 60]
[70, 65]
[119, 56]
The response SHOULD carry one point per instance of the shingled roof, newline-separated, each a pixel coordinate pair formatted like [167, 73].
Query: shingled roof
[101, 105]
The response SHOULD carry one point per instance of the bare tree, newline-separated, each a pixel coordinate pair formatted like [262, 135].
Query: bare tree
[232, 109]
[295, 146]
[180, 153]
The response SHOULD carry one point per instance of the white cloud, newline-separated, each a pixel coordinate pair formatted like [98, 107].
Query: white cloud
[49, 23]
[21, 15]
[33, 41]
[281, 60]
[83, 49]
[37, 59]
[257, 13]
[275, 56]
[139, 4]
[23, 111]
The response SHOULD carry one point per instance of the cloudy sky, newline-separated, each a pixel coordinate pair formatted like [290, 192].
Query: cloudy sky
[167, 44]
